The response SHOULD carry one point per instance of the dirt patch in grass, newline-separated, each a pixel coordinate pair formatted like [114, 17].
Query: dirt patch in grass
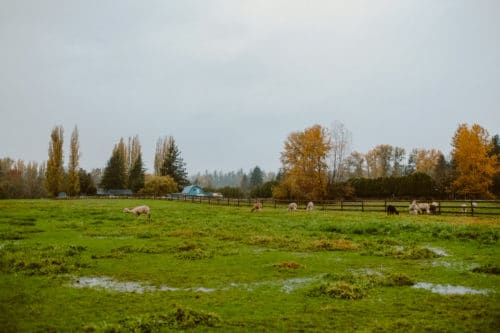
[288, 265]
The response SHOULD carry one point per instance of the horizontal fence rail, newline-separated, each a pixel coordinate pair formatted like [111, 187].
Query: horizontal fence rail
[444, 207]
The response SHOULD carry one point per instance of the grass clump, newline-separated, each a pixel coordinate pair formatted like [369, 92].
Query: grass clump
[340, 244]
[488, 269]
[192, 251]
[355, 285]
[341, 290]
[180, 318]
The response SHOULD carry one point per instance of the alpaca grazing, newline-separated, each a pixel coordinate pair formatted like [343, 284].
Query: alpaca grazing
[137, 211]
[391, 210]
[292, 206]
[257, 207]
[310, 206]
[424, 207]
[434, 208]
[414, 209]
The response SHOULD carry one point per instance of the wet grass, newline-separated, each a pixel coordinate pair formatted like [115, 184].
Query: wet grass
[201, 268]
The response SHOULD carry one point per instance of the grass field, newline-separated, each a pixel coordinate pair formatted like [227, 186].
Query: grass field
[85, 266]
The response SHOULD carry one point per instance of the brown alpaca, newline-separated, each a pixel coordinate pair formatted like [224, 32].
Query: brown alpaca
[257, 207]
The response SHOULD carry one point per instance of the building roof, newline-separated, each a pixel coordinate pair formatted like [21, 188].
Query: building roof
[193, 190]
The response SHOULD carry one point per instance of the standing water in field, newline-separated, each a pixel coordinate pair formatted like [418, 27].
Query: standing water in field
[450, 290]
[286, 286]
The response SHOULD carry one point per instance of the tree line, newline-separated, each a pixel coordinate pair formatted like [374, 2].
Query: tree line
[317, 164]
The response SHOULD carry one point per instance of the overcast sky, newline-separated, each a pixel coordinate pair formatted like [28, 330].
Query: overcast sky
[230, 80]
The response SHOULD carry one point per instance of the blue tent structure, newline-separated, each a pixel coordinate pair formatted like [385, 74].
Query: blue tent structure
[193, 190]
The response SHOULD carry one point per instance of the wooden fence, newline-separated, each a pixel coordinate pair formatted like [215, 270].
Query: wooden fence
[457, 207]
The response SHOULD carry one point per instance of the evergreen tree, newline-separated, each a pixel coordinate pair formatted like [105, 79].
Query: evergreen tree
[173, 165]
[256, 177]
[115, 175]
[73, 167]
[244, 184]
[495, 151]
[54, 174]
[87, 185]
[136, 175]
[443, 175]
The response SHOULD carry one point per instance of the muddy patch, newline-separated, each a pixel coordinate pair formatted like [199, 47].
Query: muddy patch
[447, 289]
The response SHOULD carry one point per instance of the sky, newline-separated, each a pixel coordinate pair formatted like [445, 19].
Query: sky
[230, 80]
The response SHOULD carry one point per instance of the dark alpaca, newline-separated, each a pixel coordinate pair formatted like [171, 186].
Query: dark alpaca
[391, 210]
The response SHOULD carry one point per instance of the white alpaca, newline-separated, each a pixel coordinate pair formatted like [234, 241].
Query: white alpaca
[137, 211]
[414, 209]
[463, 207]
[424, 207]
[292, 206]
[310, 205]
[257, 207]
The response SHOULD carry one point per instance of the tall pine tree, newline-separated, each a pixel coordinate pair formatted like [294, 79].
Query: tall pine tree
[173, 164]
[115, 174]
[256, 177]
[136, 175]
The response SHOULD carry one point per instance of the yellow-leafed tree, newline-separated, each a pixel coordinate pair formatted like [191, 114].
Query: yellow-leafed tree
[474, 167]
[73, 185]
[54, 174]
[305, 167]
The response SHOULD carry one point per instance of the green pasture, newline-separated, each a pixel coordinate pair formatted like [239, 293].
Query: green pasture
[85, 266]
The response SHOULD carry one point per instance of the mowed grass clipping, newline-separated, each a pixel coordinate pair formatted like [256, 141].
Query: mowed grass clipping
[85, 266]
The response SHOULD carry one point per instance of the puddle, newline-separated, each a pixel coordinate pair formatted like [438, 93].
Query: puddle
[460, 266]
[438, 251]
[110, 284]
[286, 286]
[293, 284]
[447, 289]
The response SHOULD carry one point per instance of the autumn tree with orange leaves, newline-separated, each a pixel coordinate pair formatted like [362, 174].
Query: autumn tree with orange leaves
[474, 167]
[305, 167]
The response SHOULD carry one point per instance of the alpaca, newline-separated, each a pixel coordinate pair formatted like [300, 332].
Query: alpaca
[257, 207]
[424, 207]
[391, 210]
[137, 211]
[310, 206]
[414, 209]
[433, 208]
[463, 207]
[292, 206]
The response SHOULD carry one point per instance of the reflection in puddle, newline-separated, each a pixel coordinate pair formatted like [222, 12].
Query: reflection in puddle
[450, 290]
[438, 251]
[286, 286]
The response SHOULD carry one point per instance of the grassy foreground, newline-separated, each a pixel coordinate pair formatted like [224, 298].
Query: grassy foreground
[85, 266]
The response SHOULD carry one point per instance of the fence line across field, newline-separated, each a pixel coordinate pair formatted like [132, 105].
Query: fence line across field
[482, 207]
